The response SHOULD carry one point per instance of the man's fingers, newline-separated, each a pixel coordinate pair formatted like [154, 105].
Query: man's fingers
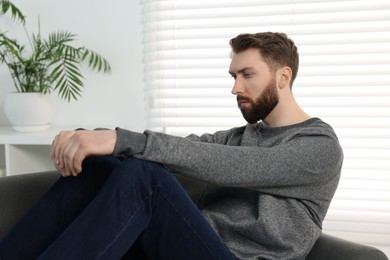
[60, 146]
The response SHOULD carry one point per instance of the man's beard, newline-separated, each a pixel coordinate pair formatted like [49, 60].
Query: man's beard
[260, 108]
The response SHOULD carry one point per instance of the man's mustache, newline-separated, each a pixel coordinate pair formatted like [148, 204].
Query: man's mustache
[241, 99]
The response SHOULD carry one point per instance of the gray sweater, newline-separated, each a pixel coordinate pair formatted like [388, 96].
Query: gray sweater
[268, 188]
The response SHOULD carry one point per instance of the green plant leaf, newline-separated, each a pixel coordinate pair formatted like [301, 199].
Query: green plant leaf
[96, 62]
[15, 12]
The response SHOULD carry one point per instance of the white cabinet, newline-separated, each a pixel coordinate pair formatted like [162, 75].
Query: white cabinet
[25, 152]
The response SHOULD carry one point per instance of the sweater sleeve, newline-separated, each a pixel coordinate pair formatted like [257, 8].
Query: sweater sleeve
[128, 143]
[305, 159]
[131, 143]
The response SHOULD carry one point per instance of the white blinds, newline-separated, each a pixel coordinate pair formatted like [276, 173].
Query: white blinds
[344, 78]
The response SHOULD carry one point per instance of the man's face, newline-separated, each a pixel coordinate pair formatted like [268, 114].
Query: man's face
[255, 86]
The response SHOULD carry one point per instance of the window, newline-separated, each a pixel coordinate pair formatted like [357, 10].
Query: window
[344, 78]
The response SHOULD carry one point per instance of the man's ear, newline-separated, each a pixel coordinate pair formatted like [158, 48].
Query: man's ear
[284, 77]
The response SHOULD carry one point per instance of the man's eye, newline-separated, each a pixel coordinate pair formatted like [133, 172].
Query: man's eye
[234, 76]
[247, 75]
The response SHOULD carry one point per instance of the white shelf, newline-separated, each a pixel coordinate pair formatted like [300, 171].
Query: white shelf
[10, 136]
[25, 152]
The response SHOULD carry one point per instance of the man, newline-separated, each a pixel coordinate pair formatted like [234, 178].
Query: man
[269, 183]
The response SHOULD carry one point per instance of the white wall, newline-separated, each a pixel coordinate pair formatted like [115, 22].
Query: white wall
[114, 30]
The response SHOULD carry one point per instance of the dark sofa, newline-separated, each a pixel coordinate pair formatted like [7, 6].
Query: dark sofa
[18, 193]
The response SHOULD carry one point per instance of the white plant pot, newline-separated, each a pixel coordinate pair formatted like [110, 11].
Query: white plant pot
[28, 112]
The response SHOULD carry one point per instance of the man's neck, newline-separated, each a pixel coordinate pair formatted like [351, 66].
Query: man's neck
[286, 113]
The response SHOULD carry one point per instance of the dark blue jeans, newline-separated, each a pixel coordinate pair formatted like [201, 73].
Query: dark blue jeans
[115, 209]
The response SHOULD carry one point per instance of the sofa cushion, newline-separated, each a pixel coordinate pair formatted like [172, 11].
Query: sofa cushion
[18, 193]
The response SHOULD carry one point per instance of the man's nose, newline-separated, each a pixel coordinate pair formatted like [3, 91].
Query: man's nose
[238, 88]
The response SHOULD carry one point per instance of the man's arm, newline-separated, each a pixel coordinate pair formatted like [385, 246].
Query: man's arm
[304, 160]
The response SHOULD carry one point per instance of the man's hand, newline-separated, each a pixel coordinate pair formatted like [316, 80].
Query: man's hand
[70, 148]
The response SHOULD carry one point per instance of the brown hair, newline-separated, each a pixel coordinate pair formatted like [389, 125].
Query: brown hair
[277, 49]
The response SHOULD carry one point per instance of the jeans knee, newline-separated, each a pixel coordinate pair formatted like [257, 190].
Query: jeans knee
[105, 161]
[140, 171]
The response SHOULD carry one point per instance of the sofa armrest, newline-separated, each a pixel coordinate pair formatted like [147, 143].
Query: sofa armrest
[18, 193]
[330, 247]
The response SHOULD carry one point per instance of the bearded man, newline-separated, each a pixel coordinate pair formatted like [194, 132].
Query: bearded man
[269, 183]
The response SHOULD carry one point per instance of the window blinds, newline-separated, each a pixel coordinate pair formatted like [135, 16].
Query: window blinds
[344, 78]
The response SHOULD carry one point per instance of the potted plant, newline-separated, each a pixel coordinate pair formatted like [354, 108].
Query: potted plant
[51, 65]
